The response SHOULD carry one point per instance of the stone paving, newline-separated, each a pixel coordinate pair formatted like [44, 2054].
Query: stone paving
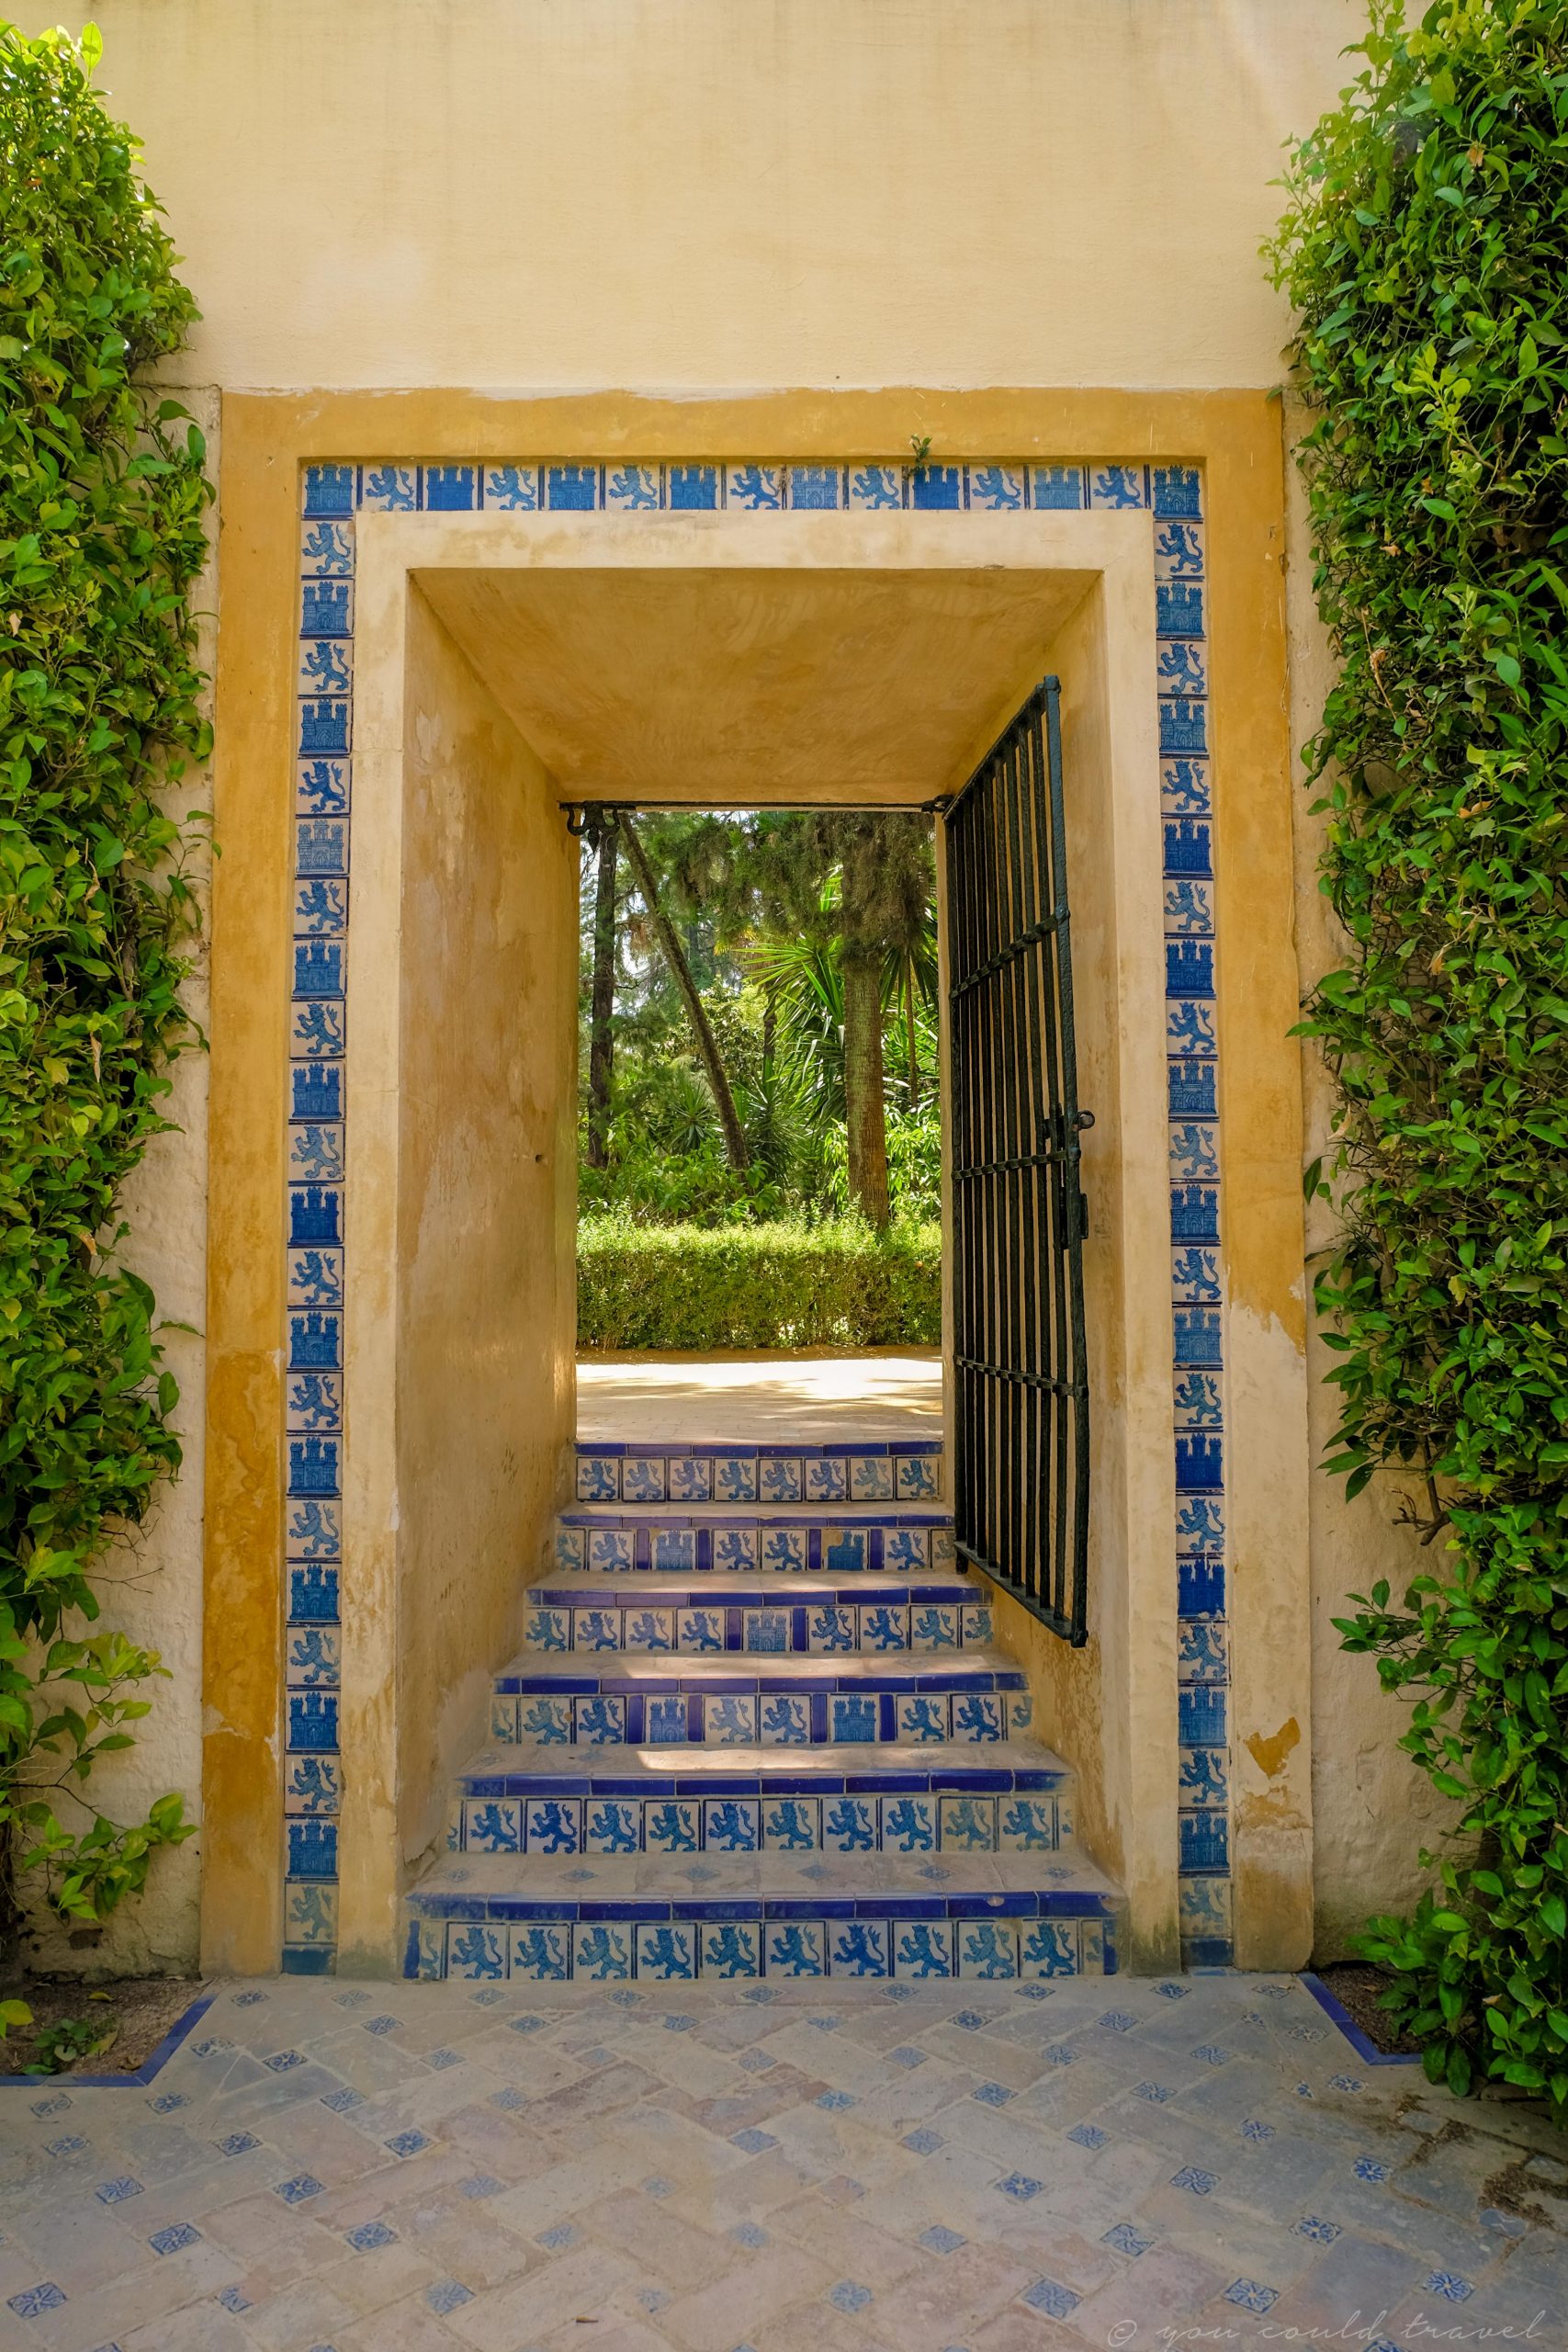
[1117, 2162]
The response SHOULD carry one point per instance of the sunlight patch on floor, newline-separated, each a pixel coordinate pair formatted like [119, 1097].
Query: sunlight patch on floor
[640, 1399]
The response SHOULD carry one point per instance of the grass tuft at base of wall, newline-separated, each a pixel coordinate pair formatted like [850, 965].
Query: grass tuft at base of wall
[784, 1284]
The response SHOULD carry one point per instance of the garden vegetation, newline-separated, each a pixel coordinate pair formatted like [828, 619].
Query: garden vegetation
[783, 1281]
[761, 1132]
[102, 492]
[1425, 251]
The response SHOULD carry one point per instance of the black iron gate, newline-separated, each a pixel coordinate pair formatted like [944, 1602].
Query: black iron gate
[1021, 1471]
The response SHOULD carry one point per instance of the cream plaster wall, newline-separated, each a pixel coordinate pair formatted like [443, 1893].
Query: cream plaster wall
[528, 194]
[682, 193]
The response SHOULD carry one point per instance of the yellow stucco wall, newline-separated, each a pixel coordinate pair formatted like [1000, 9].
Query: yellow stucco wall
[459, 1369]
[517, 195]
[487, 1204]
[1235, 439]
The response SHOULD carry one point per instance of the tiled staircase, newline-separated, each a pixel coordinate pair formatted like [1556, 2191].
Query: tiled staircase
[761, 1728]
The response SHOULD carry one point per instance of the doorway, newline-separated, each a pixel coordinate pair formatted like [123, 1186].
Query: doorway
[744, 975]
[504, 667]
[760, 1160]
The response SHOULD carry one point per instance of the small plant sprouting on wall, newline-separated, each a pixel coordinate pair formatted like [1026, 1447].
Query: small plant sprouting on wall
[1423, 249]
[102, 491]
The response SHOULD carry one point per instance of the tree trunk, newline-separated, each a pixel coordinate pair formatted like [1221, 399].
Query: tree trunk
[702, 1028]
[910, 1032]
[600, 1034]
[866, 1111]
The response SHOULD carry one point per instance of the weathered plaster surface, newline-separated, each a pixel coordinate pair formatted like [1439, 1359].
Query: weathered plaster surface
[808, 673]
[461, 1091]
[487, 1206]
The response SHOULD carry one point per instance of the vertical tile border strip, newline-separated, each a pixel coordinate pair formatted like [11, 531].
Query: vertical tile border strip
[316, 1142]
[1194, 1162]
[316, 1166]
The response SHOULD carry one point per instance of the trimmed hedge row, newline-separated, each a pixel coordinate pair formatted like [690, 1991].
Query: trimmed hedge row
[779, 1285]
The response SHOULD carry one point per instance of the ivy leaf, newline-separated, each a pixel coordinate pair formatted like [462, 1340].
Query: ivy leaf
[1428, 352]
[101, 536]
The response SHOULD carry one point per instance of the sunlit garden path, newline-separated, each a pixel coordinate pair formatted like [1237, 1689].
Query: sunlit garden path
[815, 1395]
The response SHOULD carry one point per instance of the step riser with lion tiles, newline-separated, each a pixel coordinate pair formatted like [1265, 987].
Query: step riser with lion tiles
[760, 1729]
[661, 1542]
[809, 1617]
[522, 1812]
[684, 1946]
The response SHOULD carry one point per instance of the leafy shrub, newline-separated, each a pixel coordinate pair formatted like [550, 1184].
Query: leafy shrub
[101, 500]
[788, 1284]
[59, 2047]
[1424, 250]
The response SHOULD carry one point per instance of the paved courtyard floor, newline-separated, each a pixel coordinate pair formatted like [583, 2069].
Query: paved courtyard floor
[1115, 2162]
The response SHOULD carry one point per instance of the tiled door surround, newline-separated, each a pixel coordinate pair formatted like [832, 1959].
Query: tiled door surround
[318, 1143]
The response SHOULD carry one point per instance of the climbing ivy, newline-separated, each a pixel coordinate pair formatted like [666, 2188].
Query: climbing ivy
[1424, 252]
[102, 491]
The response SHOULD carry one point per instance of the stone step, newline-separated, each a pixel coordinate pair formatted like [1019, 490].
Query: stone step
[783, 1470]
[662, 1540]
[945, 1798]
[978, 1696]
[778, 1614]
[540, 1919]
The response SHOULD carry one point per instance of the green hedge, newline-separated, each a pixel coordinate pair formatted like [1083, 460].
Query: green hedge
[1424, 254]
[780, 1285]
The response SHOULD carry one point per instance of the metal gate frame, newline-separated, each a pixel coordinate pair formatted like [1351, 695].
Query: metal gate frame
[1021, 1465]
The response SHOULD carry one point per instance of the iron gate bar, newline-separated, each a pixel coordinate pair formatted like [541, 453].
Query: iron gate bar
[1031, 938]
[1011, 1372]
[1020, 1470]
[1049, 1157]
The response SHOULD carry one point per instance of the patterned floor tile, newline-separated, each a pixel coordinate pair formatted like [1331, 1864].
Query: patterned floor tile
[793, 2168]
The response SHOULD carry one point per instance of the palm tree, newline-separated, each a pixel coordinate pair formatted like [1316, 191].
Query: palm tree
[884, 869]
[816, 995]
